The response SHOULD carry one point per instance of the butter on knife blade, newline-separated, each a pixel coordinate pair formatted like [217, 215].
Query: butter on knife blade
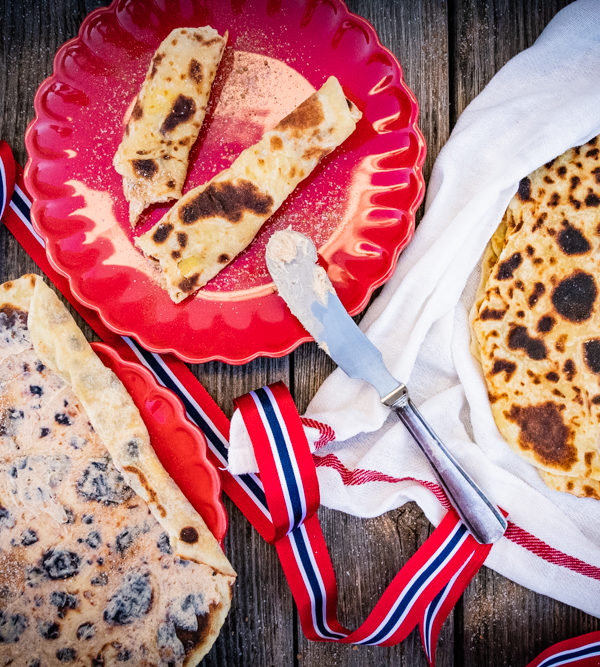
[305, 287]
[287, 247]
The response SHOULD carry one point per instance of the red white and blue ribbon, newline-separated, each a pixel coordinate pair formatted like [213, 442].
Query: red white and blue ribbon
[426, 588]
[7, 176]
[582, 651]
[446, 561]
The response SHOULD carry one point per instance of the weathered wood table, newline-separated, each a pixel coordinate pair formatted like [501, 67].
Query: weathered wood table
[448, 51]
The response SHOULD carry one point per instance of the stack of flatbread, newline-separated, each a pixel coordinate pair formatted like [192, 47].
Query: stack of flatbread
[536, 321]
[103, 561]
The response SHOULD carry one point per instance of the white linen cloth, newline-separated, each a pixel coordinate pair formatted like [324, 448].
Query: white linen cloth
[542, 102]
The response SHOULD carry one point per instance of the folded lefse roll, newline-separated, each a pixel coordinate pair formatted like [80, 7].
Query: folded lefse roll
[167, 116]
[214, 222]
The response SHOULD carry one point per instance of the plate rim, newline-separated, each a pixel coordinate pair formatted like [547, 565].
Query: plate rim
[179, 409]
[262, 351]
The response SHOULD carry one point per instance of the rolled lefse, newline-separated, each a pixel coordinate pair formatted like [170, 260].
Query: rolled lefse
[214, 222]
[167, 116]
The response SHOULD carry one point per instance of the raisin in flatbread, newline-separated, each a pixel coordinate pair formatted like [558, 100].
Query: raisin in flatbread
[536, 321]
[167, 116]
[102, 559]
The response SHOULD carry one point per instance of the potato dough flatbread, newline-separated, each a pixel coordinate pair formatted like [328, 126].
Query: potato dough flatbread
[102, 559]
[536, 319]
[214, 222]
[167, 116]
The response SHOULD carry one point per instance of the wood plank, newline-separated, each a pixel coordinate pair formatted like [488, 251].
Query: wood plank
[366, 554]
[501, 622]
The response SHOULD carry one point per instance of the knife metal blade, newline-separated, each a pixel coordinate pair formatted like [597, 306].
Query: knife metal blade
[304, 286]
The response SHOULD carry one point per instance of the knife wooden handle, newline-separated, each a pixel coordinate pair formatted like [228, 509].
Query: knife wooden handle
[481, 517]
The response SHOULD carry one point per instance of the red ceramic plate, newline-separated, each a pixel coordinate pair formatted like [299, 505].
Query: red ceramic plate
[179, 444]
[358, 205]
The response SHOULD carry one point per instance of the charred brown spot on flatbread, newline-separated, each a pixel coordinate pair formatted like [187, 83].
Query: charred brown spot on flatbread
[192, 638]
[156, 61]
[276, 143]
[591, 354]
[569, 369]
[539, 222]
[182, 110]
[226, 200]
[574, 297]
[145, 168]
[574, 202]
[502, 365]
[572, 241]
[542, 429]
[195, 71]
[552, 376]
[314, 153]
[152, 497]
[592, 200]
[162, 232]
[137, 111]
[171, 184]
[524, 191]
[176, 254]
[188, 534]
[189, 284]
[224, 258]
[545, 324]
[554, 200]
[207, 42]
[508, 266]
[538, 291]
[492, 314]
[182, 239]
[519, 339]
[306, 115]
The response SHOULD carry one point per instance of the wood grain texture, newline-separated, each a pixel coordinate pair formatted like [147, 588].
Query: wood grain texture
[448, 51]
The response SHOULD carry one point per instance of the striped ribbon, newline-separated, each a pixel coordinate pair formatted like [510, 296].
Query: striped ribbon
[437, 573]
[583, 651]
[7, 176]
[426, 588]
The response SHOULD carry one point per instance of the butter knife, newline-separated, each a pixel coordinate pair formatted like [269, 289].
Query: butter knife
[304, 286]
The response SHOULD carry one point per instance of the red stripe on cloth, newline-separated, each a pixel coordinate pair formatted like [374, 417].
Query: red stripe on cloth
[514, 533]
[580, 642]
[326, 433]
[550, 554]
[358, 476]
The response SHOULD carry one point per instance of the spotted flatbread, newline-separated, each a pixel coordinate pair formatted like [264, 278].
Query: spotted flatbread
[536, 320]
[214, 222]
[167, 116]
[102, 559]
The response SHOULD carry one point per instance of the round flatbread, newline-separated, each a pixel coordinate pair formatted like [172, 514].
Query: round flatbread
[536, 318]
[102, 559]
